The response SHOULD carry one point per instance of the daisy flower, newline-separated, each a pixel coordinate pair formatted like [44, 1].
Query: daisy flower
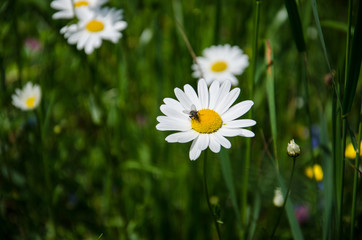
[221, 63]
[66, 8]
[205, 118]
[88, 33]
[28, 98]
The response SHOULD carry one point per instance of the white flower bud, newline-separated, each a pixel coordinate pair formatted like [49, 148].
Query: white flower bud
[278, 199]
[293, 149]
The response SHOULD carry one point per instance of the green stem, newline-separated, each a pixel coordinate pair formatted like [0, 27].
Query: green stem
[341, 179]
[285, 200]
[348, 41]
[355, 181]
[208, 198]
[246, 167]
[48, 187]
[255, 45]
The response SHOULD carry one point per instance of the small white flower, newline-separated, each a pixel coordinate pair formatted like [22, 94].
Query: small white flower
[278, 199]
[92, 28]
[205, 118]
[293, 149]
[28, 98]
[68, 9]
[221, 63]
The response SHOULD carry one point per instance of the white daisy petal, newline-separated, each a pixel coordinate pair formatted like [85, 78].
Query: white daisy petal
[171, 127]
[237, 110]
[203, 93]
[171, 112]
[240, 123]
[222, 140]
[183, 98]
[236, 132]
[172, 103]
[224, 90]
[190, 92]
[171, 124]
[246, 133]
[227, 132]
[194, 150]
[227, 101]
[214, 94]
[214, 145]
[182, 137]
[169, 120]
[204, 141]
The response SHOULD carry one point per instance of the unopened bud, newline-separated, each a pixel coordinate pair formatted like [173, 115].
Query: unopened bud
[278, 199]
[293, 149]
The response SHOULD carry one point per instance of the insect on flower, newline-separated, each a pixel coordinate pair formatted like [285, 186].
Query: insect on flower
[194, 114]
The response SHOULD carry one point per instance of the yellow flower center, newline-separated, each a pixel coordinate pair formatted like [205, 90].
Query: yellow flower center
[30, 102]
[81, 3]
[95, 26]
[208, 121]
[219, 66]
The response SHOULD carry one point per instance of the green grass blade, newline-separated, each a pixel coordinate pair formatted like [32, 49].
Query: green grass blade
[320, 33]
[271, 97]
[255, 214]
[335, 25]
[228, 177]
[354, 64]
[295, 24]
[327, 179]
[355, 182]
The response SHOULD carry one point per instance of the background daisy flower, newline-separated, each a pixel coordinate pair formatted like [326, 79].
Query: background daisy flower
[67, 9]
[210, 122]
[221, 63]
[28, 98]
[88, 33]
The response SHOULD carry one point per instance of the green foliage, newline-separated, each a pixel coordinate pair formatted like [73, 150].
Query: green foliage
[88, 163]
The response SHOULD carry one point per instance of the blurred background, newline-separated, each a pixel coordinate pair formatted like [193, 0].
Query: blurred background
[89, 162]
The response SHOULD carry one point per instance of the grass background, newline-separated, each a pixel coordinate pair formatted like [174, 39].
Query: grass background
[90, 164]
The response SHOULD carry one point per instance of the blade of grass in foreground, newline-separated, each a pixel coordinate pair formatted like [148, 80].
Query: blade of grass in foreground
[354, 64]
[320, 33]
[251, 82]
[271, 98]
[355, 181]
[295, 24]
[327, 179]
[228, 177]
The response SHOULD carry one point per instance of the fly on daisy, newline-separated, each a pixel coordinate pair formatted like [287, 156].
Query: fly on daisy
[205, 118]
[221, 63]
[67, 9]
[92, 28]
[27, 98]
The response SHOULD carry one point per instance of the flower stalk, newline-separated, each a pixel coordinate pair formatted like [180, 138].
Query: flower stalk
[285, 200]
[215, 220]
